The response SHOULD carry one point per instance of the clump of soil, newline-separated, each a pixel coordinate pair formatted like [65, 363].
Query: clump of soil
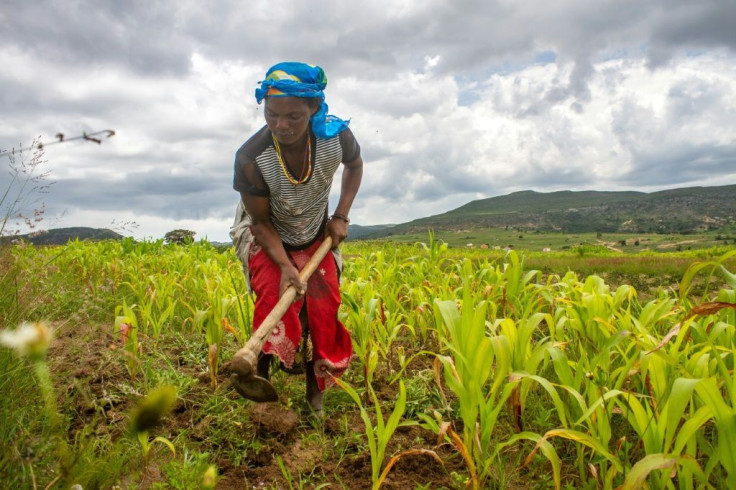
[274, 418]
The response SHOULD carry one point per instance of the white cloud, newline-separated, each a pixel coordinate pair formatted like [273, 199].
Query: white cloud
[450, 101]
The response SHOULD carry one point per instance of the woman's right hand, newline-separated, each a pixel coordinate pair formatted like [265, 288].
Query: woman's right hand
[290, 277]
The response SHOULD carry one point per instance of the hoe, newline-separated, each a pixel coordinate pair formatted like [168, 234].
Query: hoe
[245, 380]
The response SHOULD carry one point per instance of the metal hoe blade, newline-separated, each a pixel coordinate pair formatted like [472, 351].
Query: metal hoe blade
[254, 388]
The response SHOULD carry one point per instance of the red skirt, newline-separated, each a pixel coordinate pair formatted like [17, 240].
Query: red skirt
[332, 347]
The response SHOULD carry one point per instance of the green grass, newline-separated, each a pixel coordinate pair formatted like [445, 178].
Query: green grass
[627, 243]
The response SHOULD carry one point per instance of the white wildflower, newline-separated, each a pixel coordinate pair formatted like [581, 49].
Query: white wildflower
[28, 338]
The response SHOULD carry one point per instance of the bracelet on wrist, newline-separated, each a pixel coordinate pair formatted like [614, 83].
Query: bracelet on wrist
[342, 217]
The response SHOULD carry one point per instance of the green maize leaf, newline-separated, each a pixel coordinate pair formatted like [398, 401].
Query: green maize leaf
[688, 277]
[656, 367]
[550, 388]
[529, 276]
[369, 431]
[690, 466]
[622, 374]
[398, 412]
[586, 440]
[543, 445]
[623, 293]
[448, 312]
[165, 442]
[674, 409]
[725, 417]
[583, 406]
[682, 336]
[561, 364]
[717, 330]
[726, 375]
[597, 403]
[697, 365]
[380, 426]
[603, 358]
[528, 328]
[714, 459]
[659, 461]
[727, 296]
[729, 277]
[640, 419]
[691, 427]
[489, 414]
[429, 423]
[640, 471]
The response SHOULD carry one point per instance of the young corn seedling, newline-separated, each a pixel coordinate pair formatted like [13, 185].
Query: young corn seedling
[667, 429]
[468, 373]
[164, 290]
[588, 390]
[215, 321]
[359, 321]
[244, 318]
[518, 296]
[435, 248]
[518, 356]
[385, 332]
[126, 325]
[379, 435]
[718, 392]
[713, 267]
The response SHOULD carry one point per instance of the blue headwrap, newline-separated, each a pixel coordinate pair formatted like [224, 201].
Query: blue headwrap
[292, 79]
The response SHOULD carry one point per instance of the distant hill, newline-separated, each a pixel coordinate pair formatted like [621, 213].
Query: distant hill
[356, 232]
[60, 236]
[685, 210]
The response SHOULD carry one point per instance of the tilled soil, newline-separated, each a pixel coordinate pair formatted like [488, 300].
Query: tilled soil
[88, 365]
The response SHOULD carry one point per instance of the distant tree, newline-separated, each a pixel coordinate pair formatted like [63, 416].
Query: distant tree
[180, 237]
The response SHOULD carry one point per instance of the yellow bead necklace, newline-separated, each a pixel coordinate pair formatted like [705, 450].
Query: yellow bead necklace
[307, 164]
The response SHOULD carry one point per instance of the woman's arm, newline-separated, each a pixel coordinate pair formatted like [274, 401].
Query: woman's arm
[352, 174]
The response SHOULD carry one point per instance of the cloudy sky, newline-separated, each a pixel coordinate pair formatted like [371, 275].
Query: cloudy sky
[451, 101]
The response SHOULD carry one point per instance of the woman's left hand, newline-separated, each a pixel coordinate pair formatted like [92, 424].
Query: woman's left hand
[338, 230]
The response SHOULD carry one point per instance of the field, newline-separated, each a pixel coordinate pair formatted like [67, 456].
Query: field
[537, 241]
[480, 368]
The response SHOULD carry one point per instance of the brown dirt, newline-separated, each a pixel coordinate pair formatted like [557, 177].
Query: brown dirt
[675, 244]
[274, 418]
[89, 369]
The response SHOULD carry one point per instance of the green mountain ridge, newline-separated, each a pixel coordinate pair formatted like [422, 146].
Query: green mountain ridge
[60, 236]
[683, 210]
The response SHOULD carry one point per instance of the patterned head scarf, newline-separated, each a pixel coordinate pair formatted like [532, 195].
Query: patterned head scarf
[292, 79]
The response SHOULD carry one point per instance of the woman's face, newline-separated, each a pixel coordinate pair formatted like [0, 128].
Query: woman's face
[288, 118]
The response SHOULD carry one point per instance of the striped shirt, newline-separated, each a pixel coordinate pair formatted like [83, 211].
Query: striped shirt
[298, 212]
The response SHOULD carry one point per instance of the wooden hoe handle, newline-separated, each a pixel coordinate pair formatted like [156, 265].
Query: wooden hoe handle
[245, 359]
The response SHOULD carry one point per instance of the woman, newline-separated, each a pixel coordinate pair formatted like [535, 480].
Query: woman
[283, 174]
